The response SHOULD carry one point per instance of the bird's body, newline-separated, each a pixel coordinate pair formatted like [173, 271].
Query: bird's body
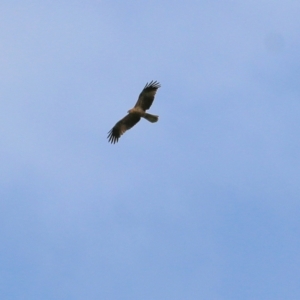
[134, 115]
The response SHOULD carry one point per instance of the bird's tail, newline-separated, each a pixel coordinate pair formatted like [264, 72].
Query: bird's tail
[150, 118]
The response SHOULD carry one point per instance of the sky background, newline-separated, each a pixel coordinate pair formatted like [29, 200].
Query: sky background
[203, 204]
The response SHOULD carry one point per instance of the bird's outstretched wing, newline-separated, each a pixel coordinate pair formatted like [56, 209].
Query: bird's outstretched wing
[147, 95]
[124, 124]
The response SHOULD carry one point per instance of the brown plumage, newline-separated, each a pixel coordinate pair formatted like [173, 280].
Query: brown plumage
[143, 103]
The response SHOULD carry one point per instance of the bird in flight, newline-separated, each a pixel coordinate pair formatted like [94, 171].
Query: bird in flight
[134, 115]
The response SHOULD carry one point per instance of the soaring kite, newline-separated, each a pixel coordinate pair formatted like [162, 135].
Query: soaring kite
[144, 102]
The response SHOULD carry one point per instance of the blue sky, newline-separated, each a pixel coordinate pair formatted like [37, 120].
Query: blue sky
[203, 204]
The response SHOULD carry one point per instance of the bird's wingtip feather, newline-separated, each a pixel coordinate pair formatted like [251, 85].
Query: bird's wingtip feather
[152, 84]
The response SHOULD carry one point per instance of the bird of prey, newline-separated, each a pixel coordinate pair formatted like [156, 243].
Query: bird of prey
[134, 115]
